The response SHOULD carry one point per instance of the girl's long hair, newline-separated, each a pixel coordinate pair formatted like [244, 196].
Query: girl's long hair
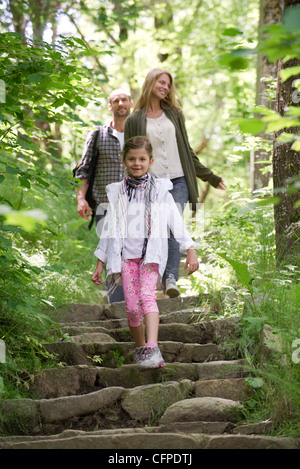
[144, 100]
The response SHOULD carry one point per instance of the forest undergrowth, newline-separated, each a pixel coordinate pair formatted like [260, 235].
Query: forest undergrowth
[243, 278]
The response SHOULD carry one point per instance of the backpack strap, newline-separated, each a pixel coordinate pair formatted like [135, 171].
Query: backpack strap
[89, 194]
[94, 158]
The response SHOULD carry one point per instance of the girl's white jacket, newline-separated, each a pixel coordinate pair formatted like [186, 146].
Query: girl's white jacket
[165, 216]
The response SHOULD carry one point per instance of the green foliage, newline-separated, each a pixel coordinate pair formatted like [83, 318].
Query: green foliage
[45, 84]
[252, 285]
[242, 272]
[97, 359]
[273, 288]
[119, 358]
[277, 41]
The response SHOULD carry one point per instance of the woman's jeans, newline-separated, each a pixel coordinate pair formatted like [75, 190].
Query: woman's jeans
[180, 194]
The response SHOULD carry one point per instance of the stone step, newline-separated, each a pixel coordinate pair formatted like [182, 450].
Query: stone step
[142, 405]
[82, 327]
[195, 402]
[215, 331]
[93, 312]
[231, 388]
[83, 379]
[141, 438]
[173, 402]
[216, 427]
[114, 354]
[186, 316]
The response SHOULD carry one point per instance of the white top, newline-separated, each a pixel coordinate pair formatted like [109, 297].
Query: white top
[120, 137]
[161, 133]
[165, 216]
[133, 244]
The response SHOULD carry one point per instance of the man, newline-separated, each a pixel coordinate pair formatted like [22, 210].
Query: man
[109, 166]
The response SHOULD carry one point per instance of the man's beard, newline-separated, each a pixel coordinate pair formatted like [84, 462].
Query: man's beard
[122, 114]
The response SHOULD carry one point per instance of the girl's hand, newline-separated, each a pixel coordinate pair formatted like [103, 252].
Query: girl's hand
[96, 278]
[191, 261]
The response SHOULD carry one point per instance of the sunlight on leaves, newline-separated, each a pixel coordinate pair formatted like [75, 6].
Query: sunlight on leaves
[28, 220]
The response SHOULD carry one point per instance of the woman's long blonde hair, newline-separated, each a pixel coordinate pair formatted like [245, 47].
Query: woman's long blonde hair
[144, 100]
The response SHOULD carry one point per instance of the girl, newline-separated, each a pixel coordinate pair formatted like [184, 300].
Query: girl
[158, 115]
[134, 244]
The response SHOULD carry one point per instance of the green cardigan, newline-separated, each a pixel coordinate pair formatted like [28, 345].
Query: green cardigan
[192, 168]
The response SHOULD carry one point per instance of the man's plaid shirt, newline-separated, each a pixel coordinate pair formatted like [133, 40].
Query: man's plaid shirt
[109, 165]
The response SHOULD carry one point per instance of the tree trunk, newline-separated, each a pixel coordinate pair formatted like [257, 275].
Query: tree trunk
[286, 166]
[123, 31]
[161, 22]
[18, 17]
[270, 13]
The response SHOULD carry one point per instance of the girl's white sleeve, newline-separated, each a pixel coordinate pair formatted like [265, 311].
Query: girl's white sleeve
[103, 245]
[177, 226]
[101, 251]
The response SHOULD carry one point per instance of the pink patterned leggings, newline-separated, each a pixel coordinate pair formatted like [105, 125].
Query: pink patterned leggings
[139, 284]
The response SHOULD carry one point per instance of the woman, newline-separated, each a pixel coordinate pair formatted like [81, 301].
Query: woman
[158, 116]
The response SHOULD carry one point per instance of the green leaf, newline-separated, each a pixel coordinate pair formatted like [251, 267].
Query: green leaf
[42, 182]
[232, 32]
[232, 62]
[296, 145]
[254, 382]
[242, 51]
[263, 110]
[241, 270]
[252, 126]
[35, 78]
[80, 41]
[80, 101]
[12, 170]
[286, 138]
[44, 319]
[24, 182]
[58, 103]
[286, 73]
[293, 111]
[291, 18]
[260, 203]
[239, 64]
[266, 201]
[26, 220]
[283, 123]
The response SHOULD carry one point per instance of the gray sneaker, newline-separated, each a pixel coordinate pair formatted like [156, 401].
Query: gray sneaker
[138, 354]
[171, 288]
[151, 357]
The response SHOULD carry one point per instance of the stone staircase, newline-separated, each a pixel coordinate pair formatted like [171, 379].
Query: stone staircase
[98, 399]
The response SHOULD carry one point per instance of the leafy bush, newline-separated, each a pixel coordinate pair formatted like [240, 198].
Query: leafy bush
[239, 262]
[39, 249]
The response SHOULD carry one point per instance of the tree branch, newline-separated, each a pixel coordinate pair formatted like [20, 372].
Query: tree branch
[86, 43]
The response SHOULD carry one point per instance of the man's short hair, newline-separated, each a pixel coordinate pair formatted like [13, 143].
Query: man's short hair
[118, 91]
